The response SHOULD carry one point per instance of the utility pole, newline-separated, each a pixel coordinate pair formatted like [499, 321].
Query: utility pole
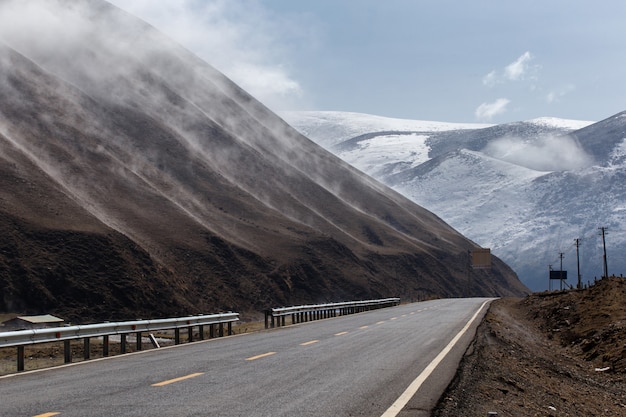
[606, 269]
[578, 262]
[549, 278]
[561, 271]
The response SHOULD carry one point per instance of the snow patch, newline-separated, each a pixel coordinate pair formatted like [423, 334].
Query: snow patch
[372, 154]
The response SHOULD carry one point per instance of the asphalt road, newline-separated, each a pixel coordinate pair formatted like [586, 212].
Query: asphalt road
[356, 365]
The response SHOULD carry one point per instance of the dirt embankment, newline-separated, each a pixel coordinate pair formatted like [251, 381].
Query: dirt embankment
[549, 354]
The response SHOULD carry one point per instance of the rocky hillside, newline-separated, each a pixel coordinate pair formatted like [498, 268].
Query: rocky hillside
[137, 181]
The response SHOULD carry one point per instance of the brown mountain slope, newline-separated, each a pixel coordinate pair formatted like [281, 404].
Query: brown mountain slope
[137, 180]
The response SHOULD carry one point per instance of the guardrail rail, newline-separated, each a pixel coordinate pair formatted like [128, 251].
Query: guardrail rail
[276, 316]
[23, 338]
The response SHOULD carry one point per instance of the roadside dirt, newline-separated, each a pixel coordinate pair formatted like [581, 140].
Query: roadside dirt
[549, 354]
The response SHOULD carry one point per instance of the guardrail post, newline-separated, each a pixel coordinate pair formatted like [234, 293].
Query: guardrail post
[189, 334]
[201, 332]
[177, 336]
[138, 341]
[230, 328]
[20, 358]
[86, 348]
[123, 343]
[221, 329]
[67, 351]
[105, 346]
[211, 331]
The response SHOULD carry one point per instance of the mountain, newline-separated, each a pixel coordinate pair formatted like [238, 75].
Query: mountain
[138, 181]
[526, 189]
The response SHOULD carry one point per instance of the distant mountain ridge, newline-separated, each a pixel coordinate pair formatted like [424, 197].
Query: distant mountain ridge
[526, 189]
[138, 181]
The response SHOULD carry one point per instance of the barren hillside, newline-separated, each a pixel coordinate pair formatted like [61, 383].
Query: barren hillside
[137, 181]
[549, 354]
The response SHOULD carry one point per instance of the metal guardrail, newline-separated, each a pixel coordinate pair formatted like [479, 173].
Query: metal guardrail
[304, 313]
[65, 334]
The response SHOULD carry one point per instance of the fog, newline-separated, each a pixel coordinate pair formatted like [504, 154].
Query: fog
[124, 64]
[546, 153]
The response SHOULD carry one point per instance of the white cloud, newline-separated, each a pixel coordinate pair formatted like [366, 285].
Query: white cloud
[240, 38]
[490, 79]
[486, 111]
[516, 70]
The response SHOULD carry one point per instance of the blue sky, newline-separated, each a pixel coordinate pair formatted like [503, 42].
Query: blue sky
[489, 61]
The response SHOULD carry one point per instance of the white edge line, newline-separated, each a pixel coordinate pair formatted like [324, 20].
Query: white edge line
[406, 396]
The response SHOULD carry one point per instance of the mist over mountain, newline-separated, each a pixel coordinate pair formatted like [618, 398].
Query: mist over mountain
[138, 181]
[527, 189]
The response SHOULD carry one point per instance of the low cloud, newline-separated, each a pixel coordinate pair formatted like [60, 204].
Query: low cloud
[547, 153]
[240, 38]
[488, 111]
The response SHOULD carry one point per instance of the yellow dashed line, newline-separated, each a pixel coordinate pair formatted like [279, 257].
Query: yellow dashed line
[48, 414]
[309, 342]
[363, 327]
[252, 358]
[340, 333]
[182, 378]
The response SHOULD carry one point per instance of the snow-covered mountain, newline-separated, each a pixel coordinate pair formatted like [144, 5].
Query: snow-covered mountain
[527, 190]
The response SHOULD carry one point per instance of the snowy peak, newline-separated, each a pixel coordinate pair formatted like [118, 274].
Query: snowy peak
[330, 128]
[554, 122]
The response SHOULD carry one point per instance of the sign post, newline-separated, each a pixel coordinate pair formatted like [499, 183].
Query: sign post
[558, 276]
[477, 259]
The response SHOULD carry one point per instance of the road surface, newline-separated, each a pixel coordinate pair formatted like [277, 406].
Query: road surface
[393, 362]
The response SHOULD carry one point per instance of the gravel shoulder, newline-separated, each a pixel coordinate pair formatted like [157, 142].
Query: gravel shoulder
[549, 354]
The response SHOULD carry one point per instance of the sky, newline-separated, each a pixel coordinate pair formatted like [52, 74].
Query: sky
[487, 61]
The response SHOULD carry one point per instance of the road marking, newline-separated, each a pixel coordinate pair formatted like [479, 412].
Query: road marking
[381, 322]
[252, 358]
[182, 378]
[340, 333]
[47, 414]
[393, 318]
[363, 327]
[310, 342]
[406, 396]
